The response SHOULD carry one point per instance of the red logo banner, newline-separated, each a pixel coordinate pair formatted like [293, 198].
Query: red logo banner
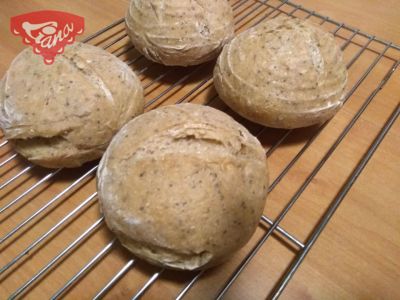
[47, 31]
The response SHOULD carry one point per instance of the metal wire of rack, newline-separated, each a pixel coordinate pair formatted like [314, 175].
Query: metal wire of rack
[41, 223]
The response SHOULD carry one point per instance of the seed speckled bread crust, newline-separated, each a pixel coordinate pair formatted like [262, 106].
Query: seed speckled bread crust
[183, 186]
[283, 73]
[65, 114]
[180, 32]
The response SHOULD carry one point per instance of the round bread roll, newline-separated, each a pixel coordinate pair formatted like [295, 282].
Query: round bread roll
[183, 186]
[65, 114]
[179, 32]
[283, 73]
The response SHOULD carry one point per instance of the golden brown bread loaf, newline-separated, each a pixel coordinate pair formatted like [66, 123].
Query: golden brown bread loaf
[284, 73]
[65, 114]
[179, 32]
[183, 186]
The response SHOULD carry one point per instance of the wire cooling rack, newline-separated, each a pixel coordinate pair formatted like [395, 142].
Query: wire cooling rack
[53, 242]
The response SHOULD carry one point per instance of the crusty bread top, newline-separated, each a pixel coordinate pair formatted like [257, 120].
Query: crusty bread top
[183, 186]
[180, 32]
[283, 65]
[83, 97]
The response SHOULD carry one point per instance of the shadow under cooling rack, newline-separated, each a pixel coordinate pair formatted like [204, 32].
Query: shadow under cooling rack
[53, 241]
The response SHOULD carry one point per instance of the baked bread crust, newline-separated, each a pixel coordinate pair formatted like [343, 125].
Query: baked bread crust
[183, 186]
[65, 114]
[283, 73]
[180, 32]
